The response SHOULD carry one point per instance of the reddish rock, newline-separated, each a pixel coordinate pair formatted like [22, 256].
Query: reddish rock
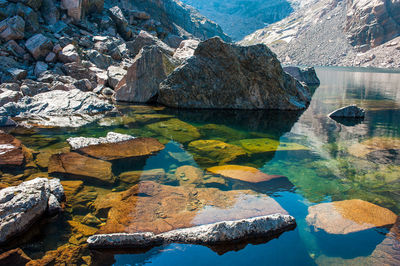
[149, 206]
[125, 149]
[243, 173]
[11, 152]
[74, 164]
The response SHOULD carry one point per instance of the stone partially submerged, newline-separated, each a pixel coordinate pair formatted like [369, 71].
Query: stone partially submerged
[112, 137]
[22, 205]
[351, 111]
[216, 233]
[225, 76]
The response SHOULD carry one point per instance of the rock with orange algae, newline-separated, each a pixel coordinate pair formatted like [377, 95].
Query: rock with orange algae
[349, 216]
[15, 257]
[74, 164]
[212, 152]
[71, 187]
[362, 149]
[243, 173]
[64, 255]
[11, 153]
[126, 149]
[188, 175]
[152, 207]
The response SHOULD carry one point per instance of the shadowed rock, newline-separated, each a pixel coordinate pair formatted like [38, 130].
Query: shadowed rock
[221, 232]
[225, 76]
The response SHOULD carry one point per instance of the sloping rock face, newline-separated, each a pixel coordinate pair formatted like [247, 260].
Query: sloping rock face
[179, 17]
[220, 75]
[372, 23]
[22, 205]
[59, 108]
[221, 232]
[150, 67]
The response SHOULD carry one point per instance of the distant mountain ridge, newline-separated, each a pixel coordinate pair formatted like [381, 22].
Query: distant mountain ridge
[239, 18]
[362, 33]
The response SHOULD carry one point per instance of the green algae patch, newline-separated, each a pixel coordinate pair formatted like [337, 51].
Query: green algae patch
[215, 152]
[221, 132]
[175, 129]
[265, 145]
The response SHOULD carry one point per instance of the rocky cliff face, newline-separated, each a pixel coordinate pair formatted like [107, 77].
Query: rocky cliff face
[336, 32]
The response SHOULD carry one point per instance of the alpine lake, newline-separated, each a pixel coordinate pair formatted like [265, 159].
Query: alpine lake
[339, 179]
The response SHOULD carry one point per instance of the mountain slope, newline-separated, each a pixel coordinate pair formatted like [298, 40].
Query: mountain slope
[239, 18]
[336, 32]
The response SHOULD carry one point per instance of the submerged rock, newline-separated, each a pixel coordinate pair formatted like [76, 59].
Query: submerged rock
[351, 111]
[211, 152]
[175, 129]
[59, 108]
[265, 145]
[368, 146]
[243, 173]
[14, 257]
[220, 232]
[306, 75]
[6, 122]
[76, 165]
[189, 175]
[112, 137]
[137, 147]
[222, 75]
[22, 205]
[349, 216]
[152, 207]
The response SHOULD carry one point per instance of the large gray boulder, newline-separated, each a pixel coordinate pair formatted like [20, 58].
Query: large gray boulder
[225, 76]
[221, 232]
[72, 108]
[306, 75]
[22, 205]
[150, 67]
[7, 96]
[145, 39]
[12, 28]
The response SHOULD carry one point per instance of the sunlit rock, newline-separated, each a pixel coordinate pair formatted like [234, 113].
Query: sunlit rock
[243, 173]
[175, 129]
[76, 165]
[220, 232]
[349, 216]
[137, 147]
[221, 132]
[24, 204]
[112, 137]
[152, 207]
[351, 111]
[211, 152]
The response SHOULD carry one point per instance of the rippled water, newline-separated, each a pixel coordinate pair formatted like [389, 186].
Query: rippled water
[321, 160]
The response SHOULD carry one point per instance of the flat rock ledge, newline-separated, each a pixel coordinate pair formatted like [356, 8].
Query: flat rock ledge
[216, 233]
[351, 111]
[112, 137]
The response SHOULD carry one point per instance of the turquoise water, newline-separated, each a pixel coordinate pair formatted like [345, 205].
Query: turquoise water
[319, 157]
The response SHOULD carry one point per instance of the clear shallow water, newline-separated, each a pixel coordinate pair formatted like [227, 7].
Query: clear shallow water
[328, 167]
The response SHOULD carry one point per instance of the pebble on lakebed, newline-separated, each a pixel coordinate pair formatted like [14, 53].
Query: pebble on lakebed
[220, 232]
